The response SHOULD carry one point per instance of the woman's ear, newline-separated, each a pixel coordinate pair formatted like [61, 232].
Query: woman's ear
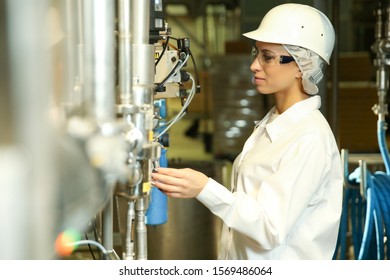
[299, 74]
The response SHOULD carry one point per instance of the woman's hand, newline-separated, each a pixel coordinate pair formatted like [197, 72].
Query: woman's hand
[179, 183]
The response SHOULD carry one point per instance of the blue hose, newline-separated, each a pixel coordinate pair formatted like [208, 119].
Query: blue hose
[369, 217]
[381, 133]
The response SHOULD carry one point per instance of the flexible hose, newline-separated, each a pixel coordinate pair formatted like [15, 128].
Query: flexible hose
[381, 133]
[352, 221]
[369, 216]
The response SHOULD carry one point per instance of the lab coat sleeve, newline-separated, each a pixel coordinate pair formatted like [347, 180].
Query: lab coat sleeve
[282, 196]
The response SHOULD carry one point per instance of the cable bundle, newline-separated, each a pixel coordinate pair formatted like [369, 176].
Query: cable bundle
[369, 217]
[368, 214]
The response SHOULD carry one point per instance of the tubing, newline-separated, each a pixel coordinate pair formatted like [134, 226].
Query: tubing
[368, 241]
[369, 217]
[381, 131]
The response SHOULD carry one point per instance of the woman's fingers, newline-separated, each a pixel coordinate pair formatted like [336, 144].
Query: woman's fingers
[166, 187]
[172, 172]
[166, 179]
[179, 182]
[173, 194]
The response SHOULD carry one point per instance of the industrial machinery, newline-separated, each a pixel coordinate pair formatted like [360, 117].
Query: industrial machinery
[84, 121]
[365, 214]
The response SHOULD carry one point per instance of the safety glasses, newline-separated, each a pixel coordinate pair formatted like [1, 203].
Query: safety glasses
[268, 58]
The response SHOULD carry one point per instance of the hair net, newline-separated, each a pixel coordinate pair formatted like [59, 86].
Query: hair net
[310, 65]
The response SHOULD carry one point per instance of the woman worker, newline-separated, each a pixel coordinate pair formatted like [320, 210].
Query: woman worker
[286, 187]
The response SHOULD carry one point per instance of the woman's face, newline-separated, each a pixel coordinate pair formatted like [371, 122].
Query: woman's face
[270, 76]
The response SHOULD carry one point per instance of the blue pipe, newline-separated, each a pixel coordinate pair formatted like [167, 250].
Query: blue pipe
[383, 200]
[371, 245]
[381, 133]
[370, 216]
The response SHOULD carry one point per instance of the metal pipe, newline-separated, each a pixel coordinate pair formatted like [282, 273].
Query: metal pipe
[142, 249]
[73, 98]
[143, 68]
[99, 62]
[99, 59]
[344, 154]
[125, 67]
[140, 20]
[108, 230]
[79, 75]
[143, 83]
[130, 233]
[6, 119]
[30, 233]
[104, 59]
[363, 178]
[381, 47]
[69, 54]
[108, 226]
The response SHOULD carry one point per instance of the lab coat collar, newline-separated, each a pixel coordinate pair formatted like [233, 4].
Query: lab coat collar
[291, 116]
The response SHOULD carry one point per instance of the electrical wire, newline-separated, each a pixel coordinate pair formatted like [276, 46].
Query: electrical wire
[165, 46]
[90, 242]
[90, 248]
[182, 112]
[173, 72]
[381, 132]
[196, 73]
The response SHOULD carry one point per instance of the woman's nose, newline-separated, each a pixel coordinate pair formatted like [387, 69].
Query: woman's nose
[255, 66]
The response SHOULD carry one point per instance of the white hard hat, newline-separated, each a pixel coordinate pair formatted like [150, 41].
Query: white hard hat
[299, 25]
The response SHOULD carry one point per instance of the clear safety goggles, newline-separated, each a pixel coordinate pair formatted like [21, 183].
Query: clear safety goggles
[268, 58]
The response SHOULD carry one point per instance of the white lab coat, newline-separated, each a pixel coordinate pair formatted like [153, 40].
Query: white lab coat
[286, 200]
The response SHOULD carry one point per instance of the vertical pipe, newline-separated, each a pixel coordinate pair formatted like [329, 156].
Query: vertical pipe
[104, 59]
[99, 59]
[143, 91]
[31, 229]
[87, 100]
[108, 226]
[141, 24]
[363, 178]
[125, 67]
[344, 154]
[80, 44]
[104, 91]
[6, 118]
[73, 96]
[130, 233]
[383, 86]
[69, 54]
[142, 249]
